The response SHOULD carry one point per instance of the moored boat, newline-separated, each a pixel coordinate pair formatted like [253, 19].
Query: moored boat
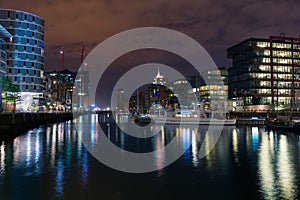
[194, 121]
[283, 125]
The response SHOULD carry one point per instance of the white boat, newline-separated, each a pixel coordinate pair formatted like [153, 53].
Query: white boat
[193, 121]
[187, 116]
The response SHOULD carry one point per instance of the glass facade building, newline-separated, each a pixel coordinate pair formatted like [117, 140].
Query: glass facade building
[5, 36]
[60, 87]
[266, 71]
[25, 51]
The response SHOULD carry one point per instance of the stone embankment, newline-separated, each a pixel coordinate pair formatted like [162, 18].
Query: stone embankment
[15, 123]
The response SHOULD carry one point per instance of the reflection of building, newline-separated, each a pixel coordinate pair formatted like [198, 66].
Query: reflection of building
[266, 71]
[25, 51]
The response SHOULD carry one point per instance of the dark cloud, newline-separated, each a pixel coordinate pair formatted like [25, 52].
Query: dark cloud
[215, 24]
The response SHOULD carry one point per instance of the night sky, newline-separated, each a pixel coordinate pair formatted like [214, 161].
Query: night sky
[215, 24]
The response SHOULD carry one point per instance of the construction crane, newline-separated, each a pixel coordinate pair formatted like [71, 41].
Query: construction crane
[62, 53]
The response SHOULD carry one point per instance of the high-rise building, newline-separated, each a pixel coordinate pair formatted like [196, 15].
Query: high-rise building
[160, 79]
[217, 85]
[61, 87]
[25, 51]
[5, 37]
[120, 101]
[266, 71]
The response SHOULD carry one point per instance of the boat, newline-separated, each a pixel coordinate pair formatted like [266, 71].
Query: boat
[187, 117]
[275, 124]
[194, 121]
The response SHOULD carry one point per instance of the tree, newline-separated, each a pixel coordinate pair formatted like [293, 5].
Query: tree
[10, 90]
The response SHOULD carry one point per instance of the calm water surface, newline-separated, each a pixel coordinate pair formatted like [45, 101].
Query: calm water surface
[247, 163]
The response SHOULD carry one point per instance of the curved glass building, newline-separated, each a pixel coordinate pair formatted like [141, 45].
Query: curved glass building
[5, 36]
[24, 50]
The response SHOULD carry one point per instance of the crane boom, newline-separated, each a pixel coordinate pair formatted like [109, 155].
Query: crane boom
[62, 53]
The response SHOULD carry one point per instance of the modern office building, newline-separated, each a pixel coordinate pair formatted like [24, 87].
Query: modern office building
[25, 50]
[80, 99]
[59, 87]
[214, 92]
[217, 85]
[182, 91]
[121, 101]
[266, 72]
[5, 37]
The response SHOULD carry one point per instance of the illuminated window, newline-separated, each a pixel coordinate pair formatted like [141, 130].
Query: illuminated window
[263, 44]
[281, 45]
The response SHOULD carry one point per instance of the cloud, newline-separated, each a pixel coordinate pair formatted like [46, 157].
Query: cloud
[215, 24]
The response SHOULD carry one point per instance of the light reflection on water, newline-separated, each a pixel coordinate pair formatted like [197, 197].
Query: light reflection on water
[277, 167]
[2, 159]
[51, 162]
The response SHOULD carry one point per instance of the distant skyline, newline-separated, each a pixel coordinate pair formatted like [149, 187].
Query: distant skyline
[215, 24]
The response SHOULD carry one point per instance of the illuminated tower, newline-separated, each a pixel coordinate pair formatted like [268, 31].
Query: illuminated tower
[159, 79]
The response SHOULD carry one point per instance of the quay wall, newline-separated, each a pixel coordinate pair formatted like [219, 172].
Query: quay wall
[16, 123]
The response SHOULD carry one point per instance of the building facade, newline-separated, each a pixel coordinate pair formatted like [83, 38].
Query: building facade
[121, 101]
[25, 51]
[266, 71]
[59, 87]
[217, 85]
[5, 37]
[160, 79]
